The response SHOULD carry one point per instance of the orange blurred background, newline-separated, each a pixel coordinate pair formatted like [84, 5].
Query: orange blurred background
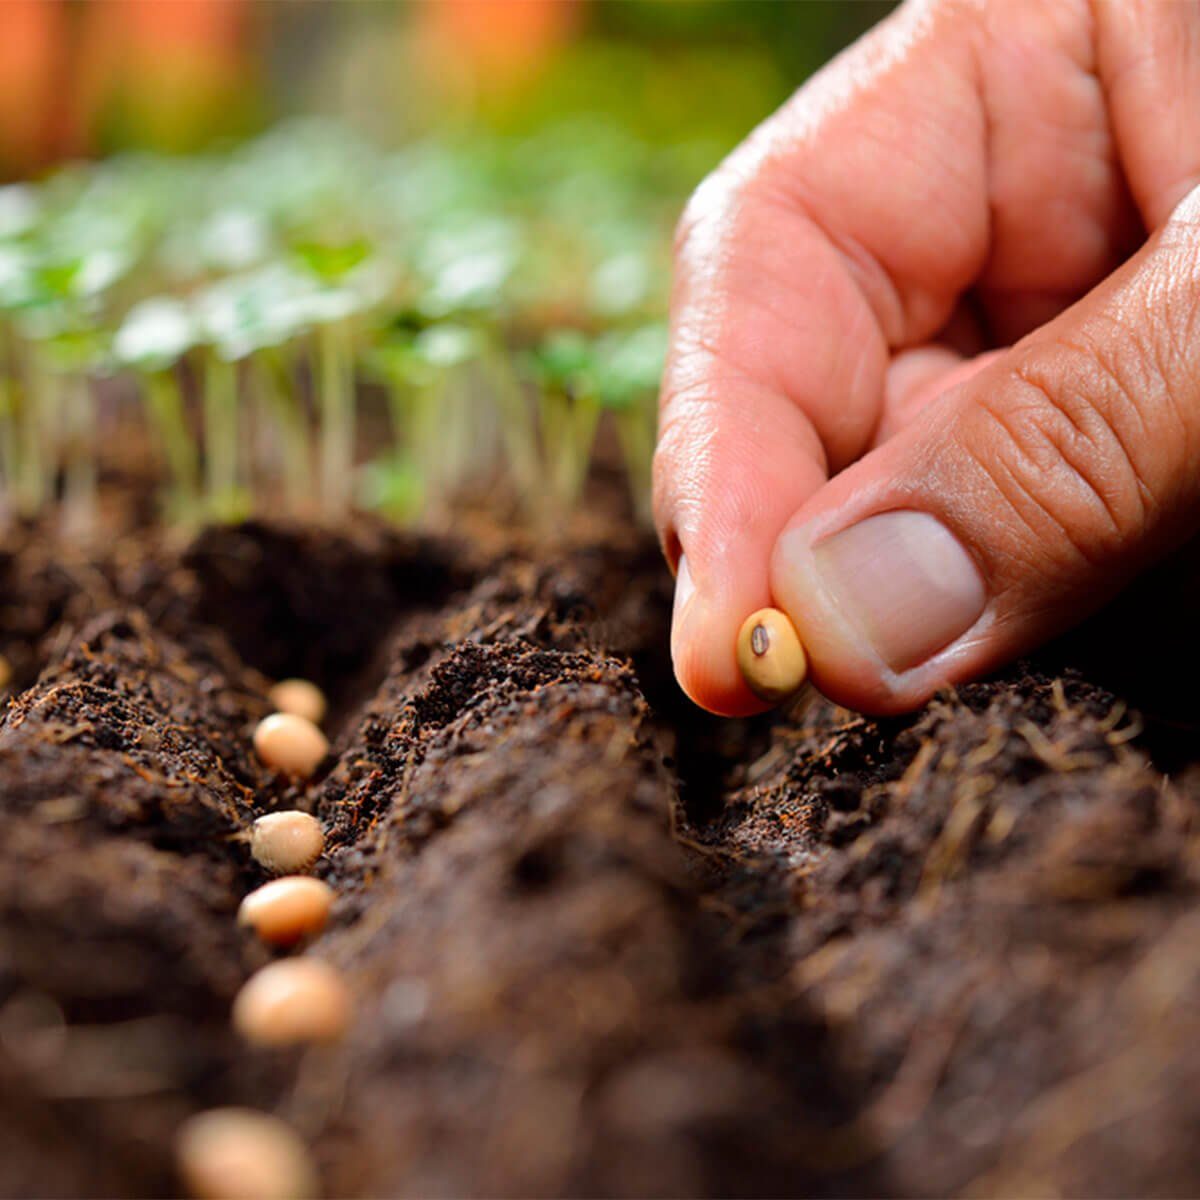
[87, 77]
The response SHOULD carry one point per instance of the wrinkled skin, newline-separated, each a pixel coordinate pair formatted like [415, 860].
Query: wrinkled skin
[957, 274]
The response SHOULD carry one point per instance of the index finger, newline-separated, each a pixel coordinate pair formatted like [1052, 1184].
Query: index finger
[796, 272]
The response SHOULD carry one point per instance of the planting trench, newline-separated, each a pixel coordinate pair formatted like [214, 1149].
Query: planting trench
[599, 942]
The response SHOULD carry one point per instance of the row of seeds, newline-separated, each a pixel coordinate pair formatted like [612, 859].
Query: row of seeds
[240, 1153]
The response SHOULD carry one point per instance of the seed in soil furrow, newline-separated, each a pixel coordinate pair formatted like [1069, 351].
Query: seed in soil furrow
[292, 1001]
[291, 744]
[299, 698]
[286, 911]
[241, 1154]
[285, 843]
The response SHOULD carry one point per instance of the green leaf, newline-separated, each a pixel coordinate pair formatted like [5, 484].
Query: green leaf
[446, 345]
[563, 361]
[629, 365]
[331, 262]
[155, 334]
[19, 209]
[392, 486]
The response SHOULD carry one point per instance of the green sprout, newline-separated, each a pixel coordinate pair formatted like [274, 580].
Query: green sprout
[152, 341]
[504, 291]
[55, 295]
[628, 366]
[252, 320]
[336, 281]
[434, 427]
[582, 377]
[568, 413]
[73, 356]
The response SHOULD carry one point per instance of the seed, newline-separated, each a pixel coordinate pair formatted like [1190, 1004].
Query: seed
[240, 1154]
[286, 842]
[291, 744]
[6, 672]
[285, 911]
[292, 1000]
[770, 655]
[300, 698]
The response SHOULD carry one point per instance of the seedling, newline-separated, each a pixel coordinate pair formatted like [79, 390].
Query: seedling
[338, 279]
[266, 275]
[286, 842]
[770, 656]
[580, 378]
[291, 1001]
[288, 910]
[436, 425]
[628, 365]
[71, 357]
[241, 1154]
[249, 322]
[54, 293]
[153, 338]
[299, 698]
[568, 412]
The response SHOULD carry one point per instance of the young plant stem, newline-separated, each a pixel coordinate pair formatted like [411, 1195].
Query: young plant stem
[9, 453]
[428, 441]
[585, 416]
[568, 430]
[401, 413]
[454, 422]
[79, 471]
[553, 412]
[635, 431]
[404, 410]
[221, 436]
[277, 387]
[336, 401]
[164, 402]
[33, 484]
[517, 429]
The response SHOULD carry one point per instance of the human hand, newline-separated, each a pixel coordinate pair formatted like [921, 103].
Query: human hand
[848, 430]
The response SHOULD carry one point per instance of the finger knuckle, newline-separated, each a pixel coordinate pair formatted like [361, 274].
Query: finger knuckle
[1061, 450]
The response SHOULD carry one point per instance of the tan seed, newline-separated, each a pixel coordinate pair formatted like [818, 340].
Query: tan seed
[291, 744]
[290, 1001]
[770, 656]
[286, 842]
[286, 911]
[6, 672]
[240, 1154]
[300, 698]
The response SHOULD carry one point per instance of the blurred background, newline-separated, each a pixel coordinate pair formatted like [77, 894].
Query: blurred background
[449, 218]
[93, 77]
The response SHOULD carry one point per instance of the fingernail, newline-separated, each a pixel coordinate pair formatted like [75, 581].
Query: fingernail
[905, 582]
[684, 587]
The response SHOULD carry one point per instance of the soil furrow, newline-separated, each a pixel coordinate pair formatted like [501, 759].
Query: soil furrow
[599, 942]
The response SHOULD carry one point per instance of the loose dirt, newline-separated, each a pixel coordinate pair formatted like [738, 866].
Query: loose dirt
[600, 943]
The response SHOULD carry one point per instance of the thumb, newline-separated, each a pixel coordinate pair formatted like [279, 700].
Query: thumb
[1016, 503]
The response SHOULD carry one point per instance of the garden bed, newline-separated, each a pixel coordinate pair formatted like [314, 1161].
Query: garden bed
[599, 943]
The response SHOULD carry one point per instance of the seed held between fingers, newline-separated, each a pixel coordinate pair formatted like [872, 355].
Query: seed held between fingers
[291, 1001]
[286, 911]
[286, 842]
[300, 698]
[241, 1154]
[770, 656]
[291, 744]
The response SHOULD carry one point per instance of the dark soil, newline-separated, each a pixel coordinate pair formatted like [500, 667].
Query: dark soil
[600, 944]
